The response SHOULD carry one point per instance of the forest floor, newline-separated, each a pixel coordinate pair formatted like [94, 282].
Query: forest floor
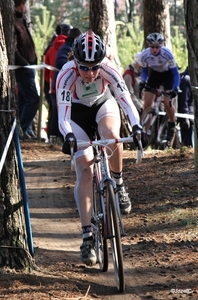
[161, 246]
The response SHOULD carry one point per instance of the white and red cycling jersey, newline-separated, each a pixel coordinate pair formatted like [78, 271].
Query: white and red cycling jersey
[70, 88]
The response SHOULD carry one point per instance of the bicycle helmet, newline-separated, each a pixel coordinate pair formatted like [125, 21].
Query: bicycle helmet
[155, 38]
[137, 58]
[89, 48]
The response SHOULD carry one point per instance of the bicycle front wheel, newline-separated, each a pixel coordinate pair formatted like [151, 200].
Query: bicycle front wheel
[114, 235]
[98, 216]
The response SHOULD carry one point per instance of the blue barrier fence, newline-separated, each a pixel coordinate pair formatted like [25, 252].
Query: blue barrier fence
[14, 133]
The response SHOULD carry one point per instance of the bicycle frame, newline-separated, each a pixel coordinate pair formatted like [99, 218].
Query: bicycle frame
[104, 229]
[101, 158]
[103, 169]
[152, 113]
[106, 219]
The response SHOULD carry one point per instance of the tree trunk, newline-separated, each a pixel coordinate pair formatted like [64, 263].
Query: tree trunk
[102, 22]
[157, 19]
[13, 243]
[191, 13]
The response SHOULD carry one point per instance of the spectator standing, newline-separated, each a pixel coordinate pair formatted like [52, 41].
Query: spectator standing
[56, 33]
[46, 83]
[50, 57]
[185, 106]
[25, 54]
[65, 49]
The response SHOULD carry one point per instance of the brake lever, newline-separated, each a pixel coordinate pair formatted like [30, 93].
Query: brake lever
[71, 144]
[140, 152]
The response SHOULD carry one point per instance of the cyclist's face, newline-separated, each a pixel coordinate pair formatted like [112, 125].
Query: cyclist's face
[88, 72]
[155, 48]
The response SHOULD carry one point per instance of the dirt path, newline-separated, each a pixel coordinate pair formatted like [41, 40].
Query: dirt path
[160, 250]
[55, 222]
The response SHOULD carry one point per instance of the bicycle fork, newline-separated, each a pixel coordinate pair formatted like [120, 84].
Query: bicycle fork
[106, 176]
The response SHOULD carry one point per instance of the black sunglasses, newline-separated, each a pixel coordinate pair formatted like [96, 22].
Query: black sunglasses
[153, 47]
[86, 69]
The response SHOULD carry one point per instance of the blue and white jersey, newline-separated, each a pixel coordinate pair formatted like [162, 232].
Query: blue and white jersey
[161, 62]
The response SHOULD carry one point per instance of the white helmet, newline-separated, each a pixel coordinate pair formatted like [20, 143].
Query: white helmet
[89, 48]
[137, 58]
[155, 38]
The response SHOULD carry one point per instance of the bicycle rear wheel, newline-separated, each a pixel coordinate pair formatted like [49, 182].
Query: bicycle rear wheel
[149, 115]
[98, 216]
[115, 238]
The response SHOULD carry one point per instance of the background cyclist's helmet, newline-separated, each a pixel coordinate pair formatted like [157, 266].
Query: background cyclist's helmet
[89, 48]
[155, 38]
[137, 58]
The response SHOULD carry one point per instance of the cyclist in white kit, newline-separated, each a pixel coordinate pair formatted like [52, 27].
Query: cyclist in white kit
[84, 100]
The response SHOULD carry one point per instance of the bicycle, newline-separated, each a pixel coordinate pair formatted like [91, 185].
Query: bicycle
[106, 218]
[158, 120]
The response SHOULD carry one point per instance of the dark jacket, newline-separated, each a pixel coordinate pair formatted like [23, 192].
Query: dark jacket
[62, 56]
[25, 53]
[185, 99]
[50, 59]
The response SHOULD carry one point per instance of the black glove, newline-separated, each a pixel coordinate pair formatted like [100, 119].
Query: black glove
[175, 92]
[66, 144]
[141, 87]
[136, 129]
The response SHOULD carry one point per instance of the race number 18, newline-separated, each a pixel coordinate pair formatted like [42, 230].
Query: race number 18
[64, 97]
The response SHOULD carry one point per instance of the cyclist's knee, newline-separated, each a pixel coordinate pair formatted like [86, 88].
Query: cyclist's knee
[85, 175]
[148, 101]
[109, 131]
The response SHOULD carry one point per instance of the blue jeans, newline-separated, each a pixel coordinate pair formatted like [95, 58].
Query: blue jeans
[27, 98]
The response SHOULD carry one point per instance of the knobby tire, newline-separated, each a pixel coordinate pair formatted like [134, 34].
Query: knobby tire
[115, 238]
[102, 248]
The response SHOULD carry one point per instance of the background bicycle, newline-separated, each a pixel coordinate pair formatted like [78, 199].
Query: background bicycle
[154, 121]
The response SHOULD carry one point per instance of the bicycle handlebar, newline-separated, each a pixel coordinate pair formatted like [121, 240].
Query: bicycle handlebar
[106, 142]
[157, 92]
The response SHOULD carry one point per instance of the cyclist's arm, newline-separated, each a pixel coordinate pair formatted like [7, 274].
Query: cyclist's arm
[176, 76]
[64, 110]
[112, 76]
[136, 101]
[123, 97]
[144, 74]
[128, 80]
[64, 83]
